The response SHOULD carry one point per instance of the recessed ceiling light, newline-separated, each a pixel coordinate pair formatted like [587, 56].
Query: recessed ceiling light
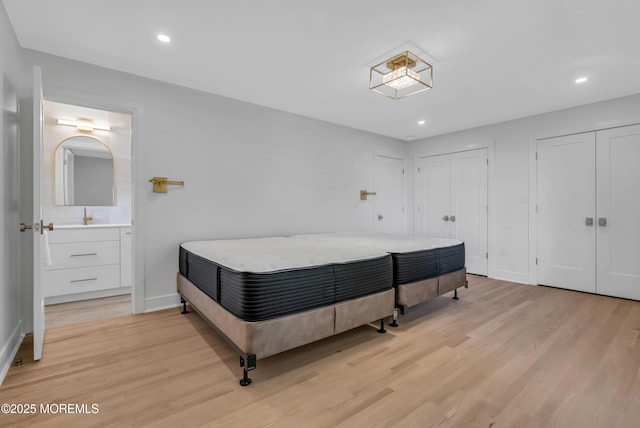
[422, 122]
[581, 79]
[164, 38]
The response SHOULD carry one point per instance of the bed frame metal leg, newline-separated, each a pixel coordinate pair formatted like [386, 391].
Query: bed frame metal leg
[382, 330]
[184, 306]
[394, 322]
[455, 294]
[247, 365]
[466, 284]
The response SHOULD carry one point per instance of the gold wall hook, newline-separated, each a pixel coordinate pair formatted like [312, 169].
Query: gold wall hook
[364, 194]
[160, 184]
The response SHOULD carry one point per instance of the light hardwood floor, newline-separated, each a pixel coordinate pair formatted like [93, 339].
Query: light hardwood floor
[504, 355]
[87, 310]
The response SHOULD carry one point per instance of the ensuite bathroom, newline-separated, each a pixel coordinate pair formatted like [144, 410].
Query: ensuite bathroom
[87, 197]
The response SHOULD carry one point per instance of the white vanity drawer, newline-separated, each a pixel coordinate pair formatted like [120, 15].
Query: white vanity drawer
[80, 254]
[80, 280]
[84, 235]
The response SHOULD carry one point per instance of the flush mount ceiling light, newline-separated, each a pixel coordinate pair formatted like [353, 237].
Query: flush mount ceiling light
[164, 38]
[84, 125]
[581, 79]
[400, 76]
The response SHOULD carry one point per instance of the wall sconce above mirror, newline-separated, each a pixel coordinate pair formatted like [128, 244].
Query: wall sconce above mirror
[84, 173]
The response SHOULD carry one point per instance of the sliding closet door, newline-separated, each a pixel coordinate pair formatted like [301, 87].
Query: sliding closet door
[468, 215]
[566, 212]
[618, 208]
[434, 196]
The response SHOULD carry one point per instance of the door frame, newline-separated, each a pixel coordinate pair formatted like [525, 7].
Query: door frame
[402, 158]
[466, 144]
[90, 101]
[533, 180]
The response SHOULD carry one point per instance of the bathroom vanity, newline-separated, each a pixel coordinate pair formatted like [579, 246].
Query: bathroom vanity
[88, 261]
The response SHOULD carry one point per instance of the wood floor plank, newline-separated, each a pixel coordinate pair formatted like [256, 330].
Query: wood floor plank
[504, 355]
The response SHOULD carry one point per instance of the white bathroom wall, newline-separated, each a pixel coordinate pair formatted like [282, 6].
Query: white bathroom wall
[509, 176]
[118, 140]
[10, 88]
[248, 170]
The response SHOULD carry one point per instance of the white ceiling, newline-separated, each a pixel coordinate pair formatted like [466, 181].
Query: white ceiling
[493, 60]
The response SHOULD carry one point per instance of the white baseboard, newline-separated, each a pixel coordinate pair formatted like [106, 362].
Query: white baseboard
[54, 300]
[152, 304]
[9, 350]
[505, 275]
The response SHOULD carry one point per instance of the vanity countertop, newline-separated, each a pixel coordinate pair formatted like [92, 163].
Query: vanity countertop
[89, 226]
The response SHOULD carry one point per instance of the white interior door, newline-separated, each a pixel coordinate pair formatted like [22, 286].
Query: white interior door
[566, 212]
[618, 203]
[468, 215]
[433, 204]
[38, 268]
[389, 199]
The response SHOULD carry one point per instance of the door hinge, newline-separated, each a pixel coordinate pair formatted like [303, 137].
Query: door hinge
[418, 169]
[402, 209]
[536, 260]
[486, 255]
[402, 171]
[487, 161]
[536, 155]
[536, 208]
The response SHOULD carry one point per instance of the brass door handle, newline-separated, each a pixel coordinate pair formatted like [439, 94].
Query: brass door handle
[24, 227]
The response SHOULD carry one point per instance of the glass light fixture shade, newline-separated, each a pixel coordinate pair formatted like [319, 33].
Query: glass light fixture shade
[401, 76]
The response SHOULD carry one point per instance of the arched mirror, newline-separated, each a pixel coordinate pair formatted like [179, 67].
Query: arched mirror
[84, 173]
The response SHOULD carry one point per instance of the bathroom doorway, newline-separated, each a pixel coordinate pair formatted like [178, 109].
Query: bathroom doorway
[87, 195]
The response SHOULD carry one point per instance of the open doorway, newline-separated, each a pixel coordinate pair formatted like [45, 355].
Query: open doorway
[87, 195]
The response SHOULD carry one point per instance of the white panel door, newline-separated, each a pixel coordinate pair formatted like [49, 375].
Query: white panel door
[566, 212]
[38, 265]
[452, 202]
[434, 196]
[389, 199]
[468, 215]
[618, 203]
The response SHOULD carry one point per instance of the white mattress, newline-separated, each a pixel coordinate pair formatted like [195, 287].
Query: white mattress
[384, 242]
[260, 255]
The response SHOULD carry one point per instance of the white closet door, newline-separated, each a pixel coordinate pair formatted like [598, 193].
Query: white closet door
[566, 200]
[618, 201]
[468, 215]
[389, 199]
[434, 196]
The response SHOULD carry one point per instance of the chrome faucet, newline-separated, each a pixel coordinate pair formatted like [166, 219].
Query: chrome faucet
[85, 219]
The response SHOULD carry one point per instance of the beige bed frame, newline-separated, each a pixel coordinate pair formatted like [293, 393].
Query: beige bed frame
[256, 340]
[408, 295]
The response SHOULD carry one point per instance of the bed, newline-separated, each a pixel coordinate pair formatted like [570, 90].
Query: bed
[268, 295]
[423, 267]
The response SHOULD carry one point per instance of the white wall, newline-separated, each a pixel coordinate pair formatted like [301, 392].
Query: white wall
[248, 170]
[509, 176]
[10, 316]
